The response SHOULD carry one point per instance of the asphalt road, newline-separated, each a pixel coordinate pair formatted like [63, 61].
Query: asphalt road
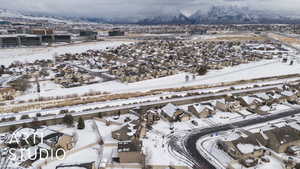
[188, 147]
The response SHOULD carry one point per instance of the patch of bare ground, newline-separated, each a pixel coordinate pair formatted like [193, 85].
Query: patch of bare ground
[289, 40]
[238, 38]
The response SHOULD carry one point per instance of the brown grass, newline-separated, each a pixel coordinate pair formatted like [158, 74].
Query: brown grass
[238, 38]
[288, 40]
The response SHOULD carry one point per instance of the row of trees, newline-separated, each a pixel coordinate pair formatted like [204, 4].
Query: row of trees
[67, 120]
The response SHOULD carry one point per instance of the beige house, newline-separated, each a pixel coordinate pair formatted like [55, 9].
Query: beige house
[173, 113]
[231, 106]
[249, 101]
[244, 147]
[66, 142]
[201, 111]
[289, 95]
[276, 98]
[151, 116]
[59, 140]
[7, 93]
[130, 151]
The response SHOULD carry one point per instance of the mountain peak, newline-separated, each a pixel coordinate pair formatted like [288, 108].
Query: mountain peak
[214, 15]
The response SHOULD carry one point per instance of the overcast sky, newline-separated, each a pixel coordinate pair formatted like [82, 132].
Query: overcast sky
[133, 8]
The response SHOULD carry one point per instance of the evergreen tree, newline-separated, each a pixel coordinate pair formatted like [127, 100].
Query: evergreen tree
[202, 70]
[81, 124]
[68, 120]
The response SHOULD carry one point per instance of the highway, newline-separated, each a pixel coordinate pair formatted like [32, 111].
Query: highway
[187, 147]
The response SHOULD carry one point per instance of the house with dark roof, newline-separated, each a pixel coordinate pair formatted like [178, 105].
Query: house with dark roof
[282, 138]
[245, 147]
[279, 139]
[56, 139]
[90, 165]
[128, 131]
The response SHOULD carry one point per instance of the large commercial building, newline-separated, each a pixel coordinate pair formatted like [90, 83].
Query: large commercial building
[30, 40]
[18, 40]
[116, 32]
[88, 33]
[9, 41]
[62, 38]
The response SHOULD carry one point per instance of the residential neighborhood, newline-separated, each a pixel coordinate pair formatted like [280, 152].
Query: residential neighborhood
[149, 85]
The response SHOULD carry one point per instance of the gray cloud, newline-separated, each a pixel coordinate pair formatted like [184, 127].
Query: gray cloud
[139, 8]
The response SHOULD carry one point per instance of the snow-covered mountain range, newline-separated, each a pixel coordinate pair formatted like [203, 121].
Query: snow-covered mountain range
[215, 15]
[231, 14]
[15, 15]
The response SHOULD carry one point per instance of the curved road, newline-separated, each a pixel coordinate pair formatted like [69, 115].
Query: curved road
[187, 147]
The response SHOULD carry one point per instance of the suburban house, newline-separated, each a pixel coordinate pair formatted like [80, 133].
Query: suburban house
[7, 93]
[173, 113]
[129, 131]
[50, 139]
[276, 97]
[289, 95]
[201, 111]
[249, 101]
[130, 151]
[228, 106]
[263, 96]
[59, 140]
[279, 139]
[265, 108]
[282, 138]
[244, 147]
[151, 116]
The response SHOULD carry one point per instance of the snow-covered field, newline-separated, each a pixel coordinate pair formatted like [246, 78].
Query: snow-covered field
[8, 56]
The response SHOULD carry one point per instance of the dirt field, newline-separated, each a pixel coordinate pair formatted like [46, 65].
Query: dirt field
[289, 40]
